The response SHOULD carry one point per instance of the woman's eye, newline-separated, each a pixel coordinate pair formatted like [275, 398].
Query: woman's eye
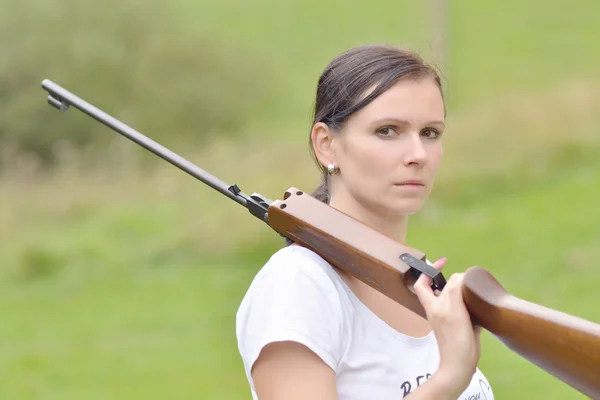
[386, 131]
[431, 133]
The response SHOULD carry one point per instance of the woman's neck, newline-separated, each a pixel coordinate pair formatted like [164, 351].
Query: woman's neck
[394, 227]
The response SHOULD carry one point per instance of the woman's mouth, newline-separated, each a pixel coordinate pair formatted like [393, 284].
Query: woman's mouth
[410, 185]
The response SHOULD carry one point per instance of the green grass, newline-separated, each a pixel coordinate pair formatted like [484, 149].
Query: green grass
[131, 291]
[154, 334]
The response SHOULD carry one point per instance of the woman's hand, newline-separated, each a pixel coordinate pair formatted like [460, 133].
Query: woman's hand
[458, 341]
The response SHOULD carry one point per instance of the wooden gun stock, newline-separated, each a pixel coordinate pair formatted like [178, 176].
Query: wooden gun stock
[563, 345]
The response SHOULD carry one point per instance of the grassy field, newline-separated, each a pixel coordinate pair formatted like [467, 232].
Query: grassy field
[130, 290]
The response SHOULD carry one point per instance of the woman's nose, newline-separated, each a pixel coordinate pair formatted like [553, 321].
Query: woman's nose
[415, 151]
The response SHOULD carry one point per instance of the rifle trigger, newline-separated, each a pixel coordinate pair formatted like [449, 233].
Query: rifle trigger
[420, 266]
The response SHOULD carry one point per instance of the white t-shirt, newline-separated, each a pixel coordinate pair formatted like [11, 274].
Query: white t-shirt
[298, 296]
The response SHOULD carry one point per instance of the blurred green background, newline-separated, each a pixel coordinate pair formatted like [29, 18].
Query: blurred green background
[120, 275]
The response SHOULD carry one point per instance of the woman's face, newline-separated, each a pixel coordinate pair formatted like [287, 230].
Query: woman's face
[388, 153]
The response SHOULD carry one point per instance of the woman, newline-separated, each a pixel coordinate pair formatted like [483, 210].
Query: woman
[307, 331]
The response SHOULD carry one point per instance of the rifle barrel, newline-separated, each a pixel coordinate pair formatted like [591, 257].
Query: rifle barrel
[61, 98]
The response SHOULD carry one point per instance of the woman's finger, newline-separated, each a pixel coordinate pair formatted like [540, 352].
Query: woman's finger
[422, 286]
[452, 289]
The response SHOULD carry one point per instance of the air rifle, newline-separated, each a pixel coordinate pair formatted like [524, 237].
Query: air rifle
[563, 345]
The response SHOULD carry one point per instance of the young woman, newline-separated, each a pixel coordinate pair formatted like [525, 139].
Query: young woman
[307, 331]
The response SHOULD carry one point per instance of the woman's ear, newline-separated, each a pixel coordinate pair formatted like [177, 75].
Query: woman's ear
[322, 141]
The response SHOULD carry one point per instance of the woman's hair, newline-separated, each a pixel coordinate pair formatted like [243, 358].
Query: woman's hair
[344, 82]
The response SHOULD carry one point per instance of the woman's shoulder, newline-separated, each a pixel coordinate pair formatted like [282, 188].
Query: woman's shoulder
[297, 265]
[295, 296]
[297, 281]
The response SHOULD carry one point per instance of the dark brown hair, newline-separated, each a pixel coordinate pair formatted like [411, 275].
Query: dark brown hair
[342, 86]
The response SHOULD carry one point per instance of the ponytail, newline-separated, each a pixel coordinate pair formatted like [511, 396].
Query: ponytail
[321, 193]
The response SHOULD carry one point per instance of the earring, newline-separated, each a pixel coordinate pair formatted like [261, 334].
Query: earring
[331, 169]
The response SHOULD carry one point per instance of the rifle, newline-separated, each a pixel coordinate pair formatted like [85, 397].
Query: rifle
[563, 345]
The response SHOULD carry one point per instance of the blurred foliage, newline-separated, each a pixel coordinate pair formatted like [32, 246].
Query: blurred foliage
[137, 62]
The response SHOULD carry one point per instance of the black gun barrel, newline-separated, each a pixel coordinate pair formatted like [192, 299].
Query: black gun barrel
[61, 99]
